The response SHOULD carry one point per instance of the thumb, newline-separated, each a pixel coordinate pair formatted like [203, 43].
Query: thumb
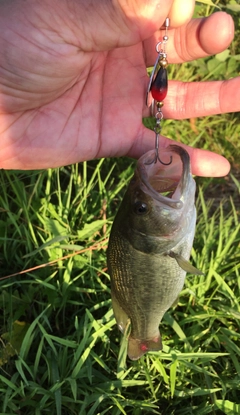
[104, 25]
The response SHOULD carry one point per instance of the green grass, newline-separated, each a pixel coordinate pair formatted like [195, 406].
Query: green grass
[61, 352]
[70, 359]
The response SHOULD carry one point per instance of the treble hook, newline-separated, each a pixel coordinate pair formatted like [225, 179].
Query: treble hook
[157, 130]
[157, 157]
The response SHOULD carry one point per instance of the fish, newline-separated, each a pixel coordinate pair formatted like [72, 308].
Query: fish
[149, 246]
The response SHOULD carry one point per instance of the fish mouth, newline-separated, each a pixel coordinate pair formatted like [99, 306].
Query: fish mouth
[166, 182]
[166, 187]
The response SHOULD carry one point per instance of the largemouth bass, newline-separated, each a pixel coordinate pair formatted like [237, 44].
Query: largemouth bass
[150, 244]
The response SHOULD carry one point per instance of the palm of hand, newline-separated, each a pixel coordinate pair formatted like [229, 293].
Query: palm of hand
[75, 106]
[62, 102]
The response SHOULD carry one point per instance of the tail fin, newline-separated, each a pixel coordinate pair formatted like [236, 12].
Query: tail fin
[138, 347]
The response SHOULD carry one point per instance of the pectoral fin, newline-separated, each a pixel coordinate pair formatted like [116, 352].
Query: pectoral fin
[184, 264]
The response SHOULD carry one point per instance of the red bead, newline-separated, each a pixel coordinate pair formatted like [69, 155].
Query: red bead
[159, 85]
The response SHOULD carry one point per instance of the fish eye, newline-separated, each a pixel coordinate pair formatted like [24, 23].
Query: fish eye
[140, 208]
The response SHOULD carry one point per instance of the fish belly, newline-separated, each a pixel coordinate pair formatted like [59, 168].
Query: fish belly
[144, 286]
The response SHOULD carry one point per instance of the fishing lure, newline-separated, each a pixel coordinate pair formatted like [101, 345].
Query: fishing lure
[157, 89]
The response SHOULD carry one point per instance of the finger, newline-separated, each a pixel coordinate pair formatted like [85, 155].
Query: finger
[197, 39]
[181, 12]
[104, 25]
[187, 100]
[207, 164]
[203, 162]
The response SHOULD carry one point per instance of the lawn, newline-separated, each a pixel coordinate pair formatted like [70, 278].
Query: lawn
[61, 352]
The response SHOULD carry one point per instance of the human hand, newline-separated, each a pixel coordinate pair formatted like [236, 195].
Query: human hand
[73, 79]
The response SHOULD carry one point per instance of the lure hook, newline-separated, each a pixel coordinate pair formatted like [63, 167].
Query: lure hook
[156, 156]
[157, 130]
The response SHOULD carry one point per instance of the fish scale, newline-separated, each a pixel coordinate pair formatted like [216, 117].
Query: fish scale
[149, 248]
